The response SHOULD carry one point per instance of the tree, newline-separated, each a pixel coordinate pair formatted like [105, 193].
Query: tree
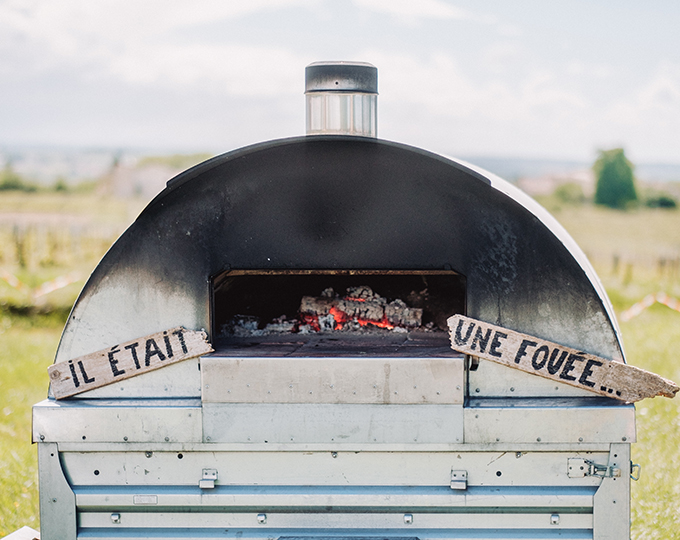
[615, 182]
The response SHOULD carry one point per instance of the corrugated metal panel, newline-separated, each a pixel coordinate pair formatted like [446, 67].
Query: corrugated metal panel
[329, 495]
[279, 510]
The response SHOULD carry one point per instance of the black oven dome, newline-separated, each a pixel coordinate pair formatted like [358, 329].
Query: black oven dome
[332, 203]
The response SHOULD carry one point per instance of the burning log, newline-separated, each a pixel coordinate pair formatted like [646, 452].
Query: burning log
[359, 308]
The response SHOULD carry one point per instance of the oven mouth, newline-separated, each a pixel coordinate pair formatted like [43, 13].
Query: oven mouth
[341, 306]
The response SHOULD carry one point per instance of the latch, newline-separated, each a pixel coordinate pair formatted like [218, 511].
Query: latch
[458, 479]
[635, 467]
[579, 468]
[208, 479]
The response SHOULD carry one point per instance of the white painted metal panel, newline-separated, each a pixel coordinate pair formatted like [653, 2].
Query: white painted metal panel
[338, 521]
[182, 380]
[332, 380]
[263, 533]
[611, 512]
[182, 469]
[310, 423]
[495, 380]
[478, 499]
[117, 421]
[525, 421]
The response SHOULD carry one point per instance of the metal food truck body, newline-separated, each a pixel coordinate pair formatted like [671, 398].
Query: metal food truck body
[335, 433]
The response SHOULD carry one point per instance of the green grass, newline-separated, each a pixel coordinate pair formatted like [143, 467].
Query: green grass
[652, 342]
[28, 346]
[96, 208]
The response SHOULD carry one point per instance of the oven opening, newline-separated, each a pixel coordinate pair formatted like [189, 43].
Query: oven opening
[337, 306]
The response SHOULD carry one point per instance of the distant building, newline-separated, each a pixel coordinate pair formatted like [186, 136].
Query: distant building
[546, 184]
[132, 180]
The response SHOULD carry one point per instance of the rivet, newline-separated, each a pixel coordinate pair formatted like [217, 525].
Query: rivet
[477, 390]
[497, 439]
[334, 454]
[262, 518]
[248, 438]
[396, 393]
[167, 439]
[54, 500]
[414, 386]
[125, 438]
[624, 439]
[512, 388]
[42, 437]
[375, 386]
[580, 439]
[538, 439]
[555, 519]
[438, 393]
[148, 454]
[208, 438]
[408, 519]
[291, 386]
[310, 391]
[458, 387]
[115, 518]
[207, 386]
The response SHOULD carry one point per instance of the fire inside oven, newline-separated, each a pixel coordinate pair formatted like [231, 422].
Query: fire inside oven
[254, 304]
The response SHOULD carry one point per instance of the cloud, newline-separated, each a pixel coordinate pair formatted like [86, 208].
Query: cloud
[656, 101]
[407, 11]
[238, 70]
[135, 42]
[437, 83]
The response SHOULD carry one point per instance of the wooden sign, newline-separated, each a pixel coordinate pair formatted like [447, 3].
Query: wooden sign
[126, 360]
[552, 361]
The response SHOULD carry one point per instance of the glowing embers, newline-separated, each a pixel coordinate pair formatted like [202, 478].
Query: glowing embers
[359, 310]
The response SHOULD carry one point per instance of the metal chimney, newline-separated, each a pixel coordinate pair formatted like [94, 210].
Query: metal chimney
[342, 98]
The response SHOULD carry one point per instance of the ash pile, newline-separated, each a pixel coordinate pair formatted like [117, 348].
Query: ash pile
[360, 310]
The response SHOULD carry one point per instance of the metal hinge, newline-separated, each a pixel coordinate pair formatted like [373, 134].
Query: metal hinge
[208, 480]
[579, 468]
[458, 479]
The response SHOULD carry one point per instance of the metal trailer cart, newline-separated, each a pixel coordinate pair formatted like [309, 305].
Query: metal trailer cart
[338, 433]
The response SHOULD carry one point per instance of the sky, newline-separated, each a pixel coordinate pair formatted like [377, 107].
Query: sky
[523, 78]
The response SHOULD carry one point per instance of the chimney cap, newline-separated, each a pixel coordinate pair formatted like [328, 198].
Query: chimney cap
[351, 77]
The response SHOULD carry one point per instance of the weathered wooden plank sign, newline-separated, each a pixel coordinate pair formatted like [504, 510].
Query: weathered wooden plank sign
[552, 361]
[126, 360]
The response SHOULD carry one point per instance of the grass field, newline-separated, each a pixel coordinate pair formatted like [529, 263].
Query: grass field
[30, 330]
